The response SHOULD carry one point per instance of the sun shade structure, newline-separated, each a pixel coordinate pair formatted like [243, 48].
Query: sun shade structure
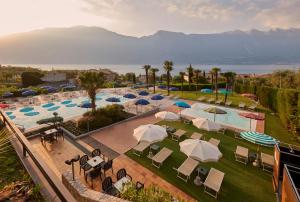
[143, 93]
[200, 150]
[167, 116]
[162, 86]
[252, 116]
[129, 96]
[150, 133]
[174, 89]
[157, 97]
[112, 99]
[28, 93]
[205, 124]
[142, 102]
[52, 120]
[7, 94]
[182, 104]
[206, 90]
[215, 110]
[85, 105]
[259, 138]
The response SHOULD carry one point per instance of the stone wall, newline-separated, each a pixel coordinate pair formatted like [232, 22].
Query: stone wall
[82, 193]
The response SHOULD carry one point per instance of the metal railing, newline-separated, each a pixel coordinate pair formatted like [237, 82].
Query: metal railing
[28, 151]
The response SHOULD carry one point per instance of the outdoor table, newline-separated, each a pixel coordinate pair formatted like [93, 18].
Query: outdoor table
[51, 131]
[119, 185]
[48, 136]
[95, 161]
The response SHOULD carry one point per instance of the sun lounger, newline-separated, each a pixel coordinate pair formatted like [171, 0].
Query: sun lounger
[161, 156]
[196, 136]
[201, 99]
[252, 107]
[267, 162]
[228, 103]
[210, 100]
[214, 141]
[177, 135]
[219, 102]
[186, 169]
[241, 154]
[140, 148]
[213, 182]
[242, 105]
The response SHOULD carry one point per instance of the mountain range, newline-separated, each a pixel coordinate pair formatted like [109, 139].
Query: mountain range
[94, 45]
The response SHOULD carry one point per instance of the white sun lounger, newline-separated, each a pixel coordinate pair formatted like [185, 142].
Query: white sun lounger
[210, 100]
[196, 136]
[214, 141]
[140, 148]
[201, 99]
[252, 107]
[177, 135]
[242, 105]
[213, 182]
[267, 162]
[228, 103]
[219, 102]
[241, 154]
[161, 156]
[186, 169]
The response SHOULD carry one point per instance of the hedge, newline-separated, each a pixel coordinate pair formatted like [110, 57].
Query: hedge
[267, 97]
[193, 86]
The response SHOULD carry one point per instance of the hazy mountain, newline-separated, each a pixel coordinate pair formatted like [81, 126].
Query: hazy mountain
[93, 45]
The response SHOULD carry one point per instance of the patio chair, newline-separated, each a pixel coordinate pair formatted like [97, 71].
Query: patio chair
[107, 166]
[93, 174]
[108, 187]
[219, 102]
[210, 100]
[252, 107]
[213, 182]
[161, 156]
[267, 162]
[177, 135]
[228, 103]
[186, 169]
[83, 165]
[140, 148]
[97, 152]
[242, 105]
[241, 154]
[214, 141]
[201, 99]
[196, 136]
[122, 173]
[139, 186]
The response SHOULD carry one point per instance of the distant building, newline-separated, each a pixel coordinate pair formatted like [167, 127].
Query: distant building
[54, 76]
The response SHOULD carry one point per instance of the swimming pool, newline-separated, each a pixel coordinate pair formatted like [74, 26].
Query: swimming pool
[28, 116]
[231, 119]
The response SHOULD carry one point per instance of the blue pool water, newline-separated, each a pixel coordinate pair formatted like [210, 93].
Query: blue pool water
[32, 113]
[66, 102]
[8, 113]
[12, 117]
[232, 118]
[53, 108]
[48, 105]
[26, 109]
[71, 105]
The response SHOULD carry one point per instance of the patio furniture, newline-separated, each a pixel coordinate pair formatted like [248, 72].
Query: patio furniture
[201, 174]
[97, 152]
[242, 105]
[93, 174]
[196, 136]
[252, 107]
[187, 167]
[161, 156]
[210, 100]
[241, 154]
[252, 156]
[122, 173]
[140, 148]
[120, 185]
[219, 102]
[228, 103]
[214, 141]
[267, 162]
[153, 150]
[213, 182]
[177, 135]
[107, 166]
[108, 187]
[95, 161]
[201, 99]
[139, 186]
[83, 165]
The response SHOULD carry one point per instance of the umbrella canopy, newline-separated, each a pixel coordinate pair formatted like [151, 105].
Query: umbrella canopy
[200, 150]
[85, 105]
[259, 138]
[150, 133]
[29, 93]
[129, 95]
[53, 120]
[206, 90]
[3, 106]
[142, 102]
[162, 87]
[252, 116]
[215, 110]
[157, 97]
[7, 94]
[168, 116]
[182, 104]
[173, 89]
[143, 93]
[224, 91]
[112, 99]
[206, 124]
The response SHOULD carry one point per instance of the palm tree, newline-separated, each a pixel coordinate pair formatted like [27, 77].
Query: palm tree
[153, 71]
[216, 71]
[182, 74]
[168, 66]
[212, 79]
[146, 68]
[190, 71]
[197, 74]
[229, 76]
[91, 81]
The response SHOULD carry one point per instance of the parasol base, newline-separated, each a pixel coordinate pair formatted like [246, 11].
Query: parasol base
[255, 163]
[197, 181]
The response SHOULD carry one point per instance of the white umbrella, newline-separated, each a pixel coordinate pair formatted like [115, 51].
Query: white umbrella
[200, 150]
[168, 116]
[150, 133]
[206, 124]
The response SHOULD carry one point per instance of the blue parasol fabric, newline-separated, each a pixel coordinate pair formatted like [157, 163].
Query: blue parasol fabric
[162, 87]
[7, 94]
[29, 93]
[259, 138]
[206, 90]
[173, 89]
[112, 99]
[142, 102]
[130, 96]
[182, 104]
[85, 105]
[157, 97]
[143, 93]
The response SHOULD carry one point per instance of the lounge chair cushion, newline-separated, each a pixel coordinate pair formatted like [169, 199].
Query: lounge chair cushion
[214, 179]
[267, 159]
[188, 166]
[141, 146]
[196, 136]
[214, 141]
[162, 155]
[241, 151]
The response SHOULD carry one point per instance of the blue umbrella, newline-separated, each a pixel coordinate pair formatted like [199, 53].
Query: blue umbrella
[130, 96]
[182, 104]
[143, 93]
[173, 89]
[85, 105]
[206, 90]
[112, 99]
[162, 86]
[29, 93]
[7, 94]
[142, 102]
[157, 97]
[52, 90]
[24, 89]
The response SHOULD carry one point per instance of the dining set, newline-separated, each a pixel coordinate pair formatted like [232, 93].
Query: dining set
[51, 135]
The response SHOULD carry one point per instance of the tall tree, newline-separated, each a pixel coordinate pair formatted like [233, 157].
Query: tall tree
[182, 74]
[147, 68]
[190, 71]
[91, 81]
[212, 79]
[229, 76]
[197, 74]
[215, 72]
[153, 71]
[168, 66]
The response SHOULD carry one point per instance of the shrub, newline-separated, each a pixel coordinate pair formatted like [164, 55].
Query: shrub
[267, 97]
[31, 78]
[193, 86]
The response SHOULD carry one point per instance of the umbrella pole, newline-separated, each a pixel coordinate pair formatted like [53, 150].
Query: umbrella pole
[250, 124]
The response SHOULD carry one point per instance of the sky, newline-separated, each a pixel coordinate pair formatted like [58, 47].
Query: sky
[145, 17]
